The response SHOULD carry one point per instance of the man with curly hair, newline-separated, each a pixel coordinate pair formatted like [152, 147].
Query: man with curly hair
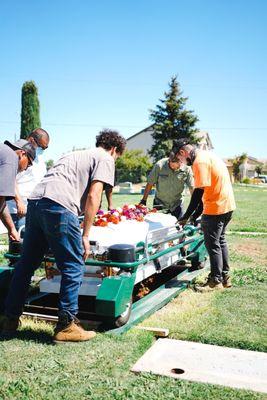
[72, 187]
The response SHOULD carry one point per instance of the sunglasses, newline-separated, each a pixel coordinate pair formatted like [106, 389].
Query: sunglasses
[38, 144]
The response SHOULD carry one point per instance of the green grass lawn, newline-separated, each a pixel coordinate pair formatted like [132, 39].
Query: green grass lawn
[251, 212]
[31, 367]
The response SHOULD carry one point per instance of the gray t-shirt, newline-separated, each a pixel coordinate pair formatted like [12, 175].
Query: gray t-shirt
[68, 182]
[8, 170]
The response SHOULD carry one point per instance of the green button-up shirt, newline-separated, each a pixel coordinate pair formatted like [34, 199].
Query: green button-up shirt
[170, 184]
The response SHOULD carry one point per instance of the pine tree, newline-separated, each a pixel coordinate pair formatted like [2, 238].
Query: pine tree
[171, 121]
[30, 113]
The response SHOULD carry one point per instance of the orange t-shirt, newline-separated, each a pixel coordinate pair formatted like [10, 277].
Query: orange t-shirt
[211, 174]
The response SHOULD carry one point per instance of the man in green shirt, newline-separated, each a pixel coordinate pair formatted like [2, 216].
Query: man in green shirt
[170, 178]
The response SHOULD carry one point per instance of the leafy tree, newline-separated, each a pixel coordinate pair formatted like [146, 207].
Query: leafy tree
[30, 113]
[171, 121]
[132, 166]
[236, 165]
[258, 170]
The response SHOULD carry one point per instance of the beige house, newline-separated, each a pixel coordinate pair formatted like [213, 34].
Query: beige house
[229, 165]
[247, 169]
[143, 140]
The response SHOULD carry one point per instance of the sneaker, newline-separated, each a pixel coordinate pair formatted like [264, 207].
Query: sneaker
[227, 281]
[209, 286]
[72, 332]
[10, 325]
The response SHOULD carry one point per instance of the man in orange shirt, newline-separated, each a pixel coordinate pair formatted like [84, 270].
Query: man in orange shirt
[213, 185]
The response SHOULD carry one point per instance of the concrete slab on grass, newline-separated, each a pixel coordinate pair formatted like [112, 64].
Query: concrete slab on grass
[206, 363]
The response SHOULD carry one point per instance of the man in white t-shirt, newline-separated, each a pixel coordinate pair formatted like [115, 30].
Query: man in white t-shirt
[27, 180]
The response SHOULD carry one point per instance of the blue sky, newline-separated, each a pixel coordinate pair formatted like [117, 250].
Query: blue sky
[105, 64]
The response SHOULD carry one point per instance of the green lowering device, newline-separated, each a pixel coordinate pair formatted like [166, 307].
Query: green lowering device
[136, 268]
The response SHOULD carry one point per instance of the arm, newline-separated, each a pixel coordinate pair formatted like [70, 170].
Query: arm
[7, 221]
[193, 205]
[202, 177]
[197, 212]
[19, 202]
[151, 181]
[146, 193]
[91, 208]
[190, 180]
[108, 192]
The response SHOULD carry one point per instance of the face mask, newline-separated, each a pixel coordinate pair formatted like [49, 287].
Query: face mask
[39, 151]
[191, 158]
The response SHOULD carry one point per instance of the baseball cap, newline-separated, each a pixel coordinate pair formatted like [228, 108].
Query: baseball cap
[178, 144]
[172, 157]
[23, 144]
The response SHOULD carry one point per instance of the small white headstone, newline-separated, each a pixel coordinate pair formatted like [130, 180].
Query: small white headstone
[206, 363]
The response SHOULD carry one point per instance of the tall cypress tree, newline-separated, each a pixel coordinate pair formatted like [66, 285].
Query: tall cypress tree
[171, 121]
[30, 109]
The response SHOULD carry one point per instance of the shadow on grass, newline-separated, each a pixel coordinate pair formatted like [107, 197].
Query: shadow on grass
[29, 335]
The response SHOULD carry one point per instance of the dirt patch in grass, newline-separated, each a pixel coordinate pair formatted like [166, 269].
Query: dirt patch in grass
[247, 251]
[252, 247]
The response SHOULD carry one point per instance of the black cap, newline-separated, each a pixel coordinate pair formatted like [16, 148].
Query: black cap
[23, 144]
[178, 144]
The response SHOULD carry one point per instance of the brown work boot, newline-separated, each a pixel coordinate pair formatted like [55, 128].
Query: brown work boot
[227, 281]
[209, 286]
[10, 325]
[72, 332]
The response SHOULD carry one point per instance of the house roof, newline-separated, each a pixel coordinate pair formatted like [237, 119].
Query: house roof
[199, 134]
[229, 161]
[143, 130]
[204, 135]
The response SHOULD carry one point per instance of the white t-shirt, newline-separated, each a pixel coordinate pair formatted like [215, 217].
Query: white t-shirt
[27, 180]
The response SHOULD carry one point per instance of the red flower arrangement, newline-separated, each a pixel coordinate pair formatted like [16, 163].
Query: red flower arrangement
[127, 212]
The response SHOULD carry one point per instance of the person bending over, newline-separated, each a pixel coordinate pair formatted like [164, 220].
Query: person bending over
[72, 187]
[213, 186]
[171, 178]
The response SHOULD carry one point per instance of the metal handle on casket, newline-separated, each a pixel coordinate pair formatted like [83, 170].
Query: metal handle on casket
[188, 230]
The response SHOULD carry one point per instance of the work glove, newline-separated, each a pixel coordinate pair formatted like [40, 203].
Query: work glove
[182, 220]
[194, 220]
[143, 202]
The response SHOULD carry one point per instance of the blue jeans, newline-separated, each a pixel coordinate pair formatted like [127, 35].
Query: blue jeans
[49, 225]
